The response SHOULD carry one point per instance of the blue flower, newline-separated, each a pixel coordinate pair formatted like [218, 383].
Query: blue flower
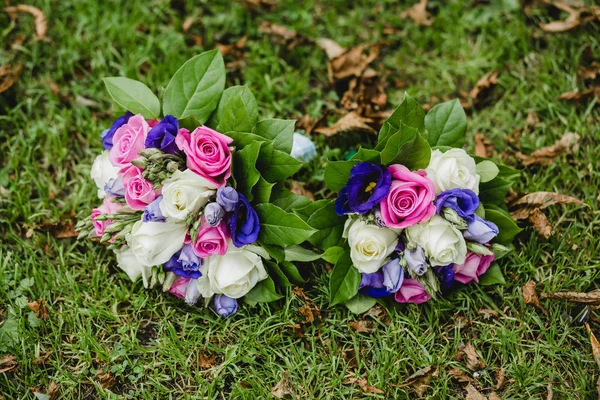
[107, 136]
[384, 282]
[152, 212]
[367, 186]
[162, 135]
[192, 294]
[480, 230]
[463, 201]
[225, 306]
[185, 263]
[303, 149]
[446, 276]
[244, 224]
[227, 197]
[213, 214]
[415, 259]
[114, 187]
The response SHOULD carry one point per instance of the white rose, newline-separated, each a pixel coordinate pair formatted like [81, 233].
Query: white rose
[102, 172]
[442, 242]
[452, 169]
[185, 193]
[370, 245]
[233, 274]
[154, 243]
[132, 267]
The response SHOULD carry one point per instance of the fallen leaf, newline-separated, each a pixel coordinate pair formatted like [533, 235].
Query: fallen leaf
[568, 144]
[81, 101]
[530, 295]
[8, 364]
[331, 47]
[41, 360]
[592, 297]
[473, 394]
[39, 308]
[351, 122]
[364, 385]
[284, 388]
[53, 390]
[106, 380]
[500, 378]
[459, 375]
[483, 86]
[420, 380]
[299, 189]
[494, 396]
[487, 313]
[187, 24]
[595, 353]
[532, 120]
[474, 363]
[285, 35]
[419, 14]
[361, 326]
[307, 313]
[352, 62]
[540, 223]
[41, 24]
[206, 361]
[9, 74]
[483, 147]
[255, 5]
[579, 95]
[521, 207]
[233, 48]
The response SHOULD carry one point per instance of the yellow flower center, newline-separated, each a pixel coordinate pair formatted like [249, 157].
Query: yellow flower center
[370, 187]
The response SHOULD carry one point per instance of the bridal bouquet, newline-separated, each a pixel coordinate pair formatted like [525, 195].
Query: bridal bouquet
[187, 197]
[418, 215]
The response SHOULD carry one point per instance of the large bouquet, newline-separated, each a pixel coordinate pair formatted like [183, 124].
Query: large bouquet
[419, 214]
[186, 198]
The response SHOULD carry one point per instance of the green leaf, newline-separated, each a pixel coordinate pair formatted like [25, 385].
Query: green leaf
[133, 96]
[196, 87]
[369, 155]
[508, 228]
[493, 276]
[332, 254]
[406, 147]
[410, 113]
[360, 303]
[299, 253]
[280, 227]
[274, 251]
[244, 169]
[446, 124]
[289, 201]
[262, 191]
[277, 274]
[337, 174]
[275, 165]
[292, 273]
[329, 226]
[344, 281]
[278, 131]
[487, 170]
[243, 139]
[237, 110]
[263, 292]
[494, 191]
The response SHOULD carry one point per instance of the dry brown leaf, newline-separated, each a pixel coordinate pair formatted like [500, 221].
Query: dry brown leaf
[483, 147]
[592, 297]
[419, 14]
[487, 313]
[284, 388]
[331, 47]
[595, 345]
[307, 313]
[532, 120]
[362, 326]
[41, 24]
[284, 34]
[53, 390]
[483, 86]
[233, 48]
[541, 200]
[474, 362]
[299, 189]
[8, 364]
[473, 394]
[460, 375]
[420, 380]
[589, 73]
[500, 379]
[187, 24]
[41, 360]
[540, 223]
[9, 74]
[579, 95]
[530, 295]
[351, 122]
[352, 62]
[568, 144]
[206, 361]
[255, 5]
[106, 380]
[494, 396]
[364, 385]
[39, 308]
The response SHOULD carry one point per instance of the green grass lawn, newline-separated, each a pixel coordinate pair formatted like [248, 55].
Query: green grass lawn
[152, 344]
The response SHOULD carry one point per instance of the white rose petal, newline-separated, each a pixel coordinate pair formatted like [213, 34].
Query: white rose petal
[185, 193]
[442, 242]
[154, 243]
[370, 245]
[453, 169]
[102, 172]
[128, 262]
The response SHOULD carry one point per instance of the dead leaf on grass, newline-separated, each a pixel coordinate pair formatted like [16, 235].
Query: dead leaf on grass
[473, 362]
[419, 14]
[41, 360]
[41, 24]
[8, 364]
[299, 189]
[578, 15]
[420, 380]
[9, 74]
[460, 375]
[351, 122]
[483, 86]
[589, 73]
[362, 326]
[352, 62]
[577, 96]
[473, 393]
[530, 295]
[234, 49]
[331, 47]
[206, 361]
[364, 385]
[522, 205]
[39, 308]
[568, 144]
[187, 24]
[284, 388]
[500, 379]
[487, 313]
[592, 297]
[106, 380]
[483, 147]
[595, 352]
[255, 5]
[283, 34]
[53, 390]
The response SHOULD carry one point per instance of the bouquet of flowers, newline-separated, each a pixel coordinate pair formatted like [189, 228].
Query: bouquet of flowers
[187, 197]
[418, 215]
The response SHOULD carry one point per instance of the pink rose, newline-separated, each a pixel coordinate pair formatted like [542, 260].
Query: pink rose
[138, 191]
[474, 266]
[412, 291]
[107, 207]
[208, 153]
[128, 141]
[179, 286]
[410, 199]
[211, 240]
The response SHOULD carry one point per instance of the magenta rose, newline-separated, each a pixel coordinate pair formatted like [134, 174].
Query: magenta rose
[107, 207]
[179, 286]
[412, 291]
[208, 153]
[409, 200]
[128, 141]
[474, 266]
[211, 240]
[139, 192]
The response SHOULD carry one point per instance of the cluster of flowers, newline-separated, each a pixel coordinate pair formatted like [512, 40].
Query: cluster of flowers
[167, 201]
[413, 234]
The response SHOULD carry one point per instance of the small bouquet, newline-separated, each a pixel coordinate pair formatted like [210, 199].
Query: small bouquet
[186, 197]
[418, 214]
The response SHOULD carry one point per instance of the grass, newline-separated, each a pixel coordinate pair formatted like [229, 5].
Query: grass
[100, 322]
